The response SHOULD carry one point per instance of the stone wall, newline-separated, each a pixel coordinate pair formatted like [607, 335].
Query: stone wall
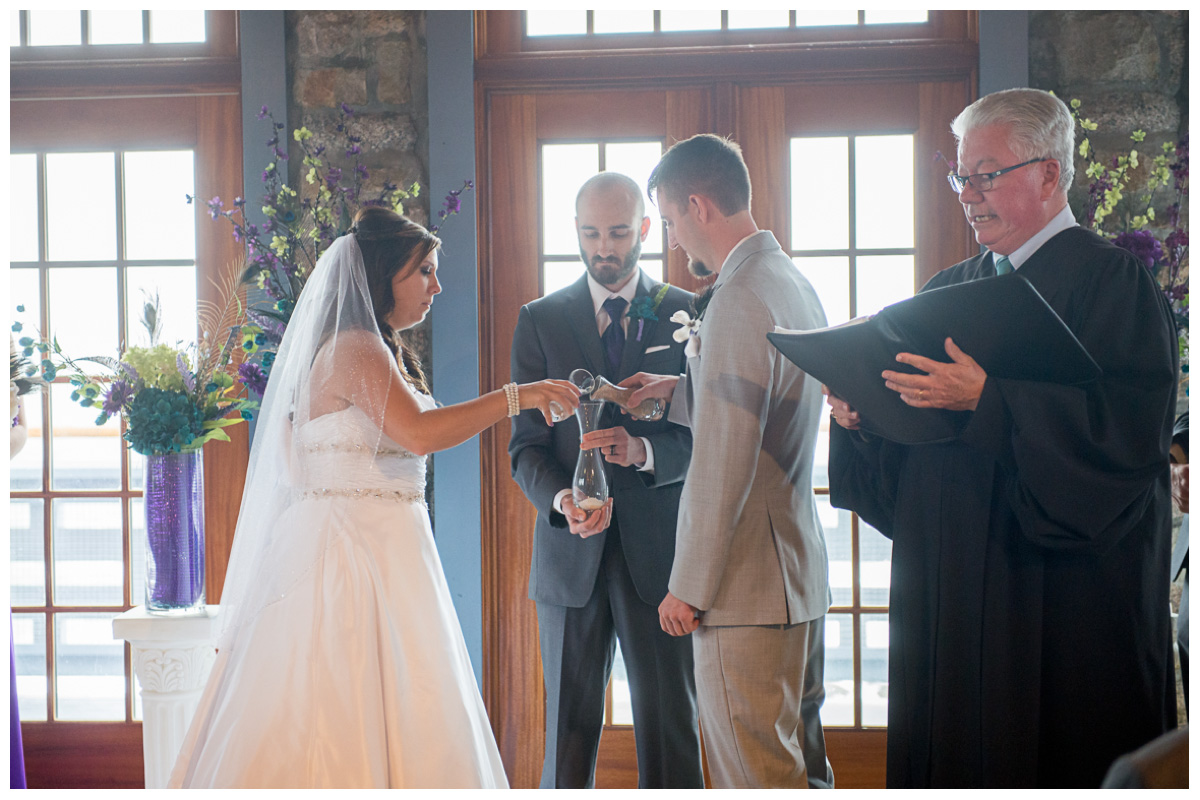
[1128, 68]
[374, 62]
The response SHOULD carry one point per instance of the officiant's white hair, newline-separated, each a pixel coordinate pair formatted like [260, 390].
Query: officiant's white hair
[1040, 126]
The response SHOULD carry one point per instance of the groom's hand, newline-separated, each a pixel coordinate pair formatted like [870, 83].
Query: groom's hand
[617, 446]
[677, 617]
[649, 385]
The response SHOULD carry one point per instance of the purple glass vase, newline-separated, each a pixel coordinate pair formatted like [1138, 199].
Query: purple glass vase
[174, 503]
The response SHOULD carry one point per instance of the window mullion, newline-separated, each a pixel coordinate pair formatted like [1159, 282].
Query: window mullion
[853, 229]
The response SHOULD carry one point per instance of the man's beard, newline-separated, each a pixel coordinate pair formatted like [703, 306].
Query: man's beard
[698, 268]
[607, 272]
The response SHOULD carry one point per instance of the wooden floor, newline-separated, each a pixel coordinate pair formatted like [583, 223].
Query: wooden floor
[858, 758]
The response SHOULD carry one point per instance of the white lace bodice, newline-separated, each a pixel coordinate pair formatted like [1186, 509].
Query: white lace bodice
[345, 454]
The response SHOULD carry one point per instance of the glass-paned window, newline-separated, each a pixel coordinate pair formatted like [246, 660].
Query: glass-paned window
[50, 28]
[564, 168]
[693, 19]
[556, 23]
[817, 19]
[29, 651]
[59, 28]
[176, 26]
[115, 27]
[600, 22]
[894, 16]
[748, 19]
[640, 21]
[117, 229]
[89, 667]
[853, 237]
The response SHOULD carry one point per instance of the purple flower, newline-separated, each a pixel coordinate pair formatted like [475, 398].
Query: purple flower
[118, 395]
[361, 171]
[263, 113]
[347, 110]
[1176, 239]
[189, 380]
[353, 150]
[453, 203]
[1142, 244]
[1180, 167]
[214, 207]
[253, 377]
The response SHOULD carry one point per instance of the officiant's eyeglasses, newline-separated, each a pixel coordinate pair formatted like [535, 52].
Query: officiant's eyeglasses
[982, 181]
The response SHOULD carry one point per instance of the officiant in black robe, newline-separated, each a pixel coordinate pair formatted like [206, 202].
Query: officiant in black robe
[1030, 628]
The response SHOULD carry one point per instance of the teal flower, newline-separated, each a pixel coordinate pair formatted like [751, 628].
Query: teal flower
[162, 421]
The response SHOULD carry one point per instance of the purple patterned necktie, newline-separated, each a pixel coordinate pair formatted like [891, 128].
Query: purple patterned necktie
[614, 335]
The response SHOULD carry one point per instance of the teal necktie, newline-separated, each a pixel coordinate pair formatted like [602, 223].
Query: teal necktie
[1003, 265]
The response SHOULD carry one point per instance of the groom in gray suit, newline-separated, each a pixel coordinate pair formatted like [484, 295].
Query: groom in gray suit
[602, 574]
[751, 574]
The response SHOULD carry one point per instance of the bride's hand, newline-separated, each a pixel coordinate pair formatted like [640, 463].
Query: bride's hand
[564, 396]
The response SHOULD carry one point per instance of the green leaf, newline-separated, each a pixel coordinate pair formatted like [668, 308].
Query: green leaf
[1138, 136]
[225, 422]
[214, 435]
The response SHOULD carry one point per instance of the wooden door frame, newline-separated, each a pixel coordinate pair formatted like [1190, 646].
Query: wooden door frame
[703, 96]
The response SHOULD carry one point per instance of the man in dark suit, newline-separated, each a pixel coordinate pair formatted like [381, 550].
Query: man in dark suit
[602, 575]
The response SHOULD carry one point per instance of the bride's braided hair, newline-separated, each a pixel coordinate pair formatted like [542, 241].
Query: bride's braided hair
[390, 244]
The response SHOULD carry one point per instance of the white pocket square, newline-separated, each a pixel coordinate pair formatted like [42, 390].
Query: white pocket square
[656, 348]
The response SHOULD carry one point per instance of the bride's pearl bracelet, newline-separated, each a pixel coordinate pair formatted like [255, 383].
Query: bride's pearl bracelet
[514, 399]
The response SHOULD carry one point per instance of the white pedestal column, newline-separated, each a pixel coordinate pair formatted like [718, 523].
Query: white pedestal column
[172, 657]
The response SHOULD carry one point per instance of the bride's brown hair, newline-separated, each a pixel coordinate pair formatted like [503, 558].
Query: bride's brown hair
[389, 244]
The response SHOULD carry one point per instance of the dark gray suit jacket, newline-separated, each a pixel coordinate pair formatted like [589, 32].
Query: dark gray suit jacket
[555, 335]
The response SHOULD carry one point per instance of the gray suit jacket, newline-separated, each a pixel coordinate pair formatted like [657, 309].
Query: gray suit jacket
[749, 549]
[555, 335]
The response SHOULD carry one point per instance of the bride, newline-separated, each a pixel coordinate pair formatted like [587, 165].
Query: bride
[340, 661]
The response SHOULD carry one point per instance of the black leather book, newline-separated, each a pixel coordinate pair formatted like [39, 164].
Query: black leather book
[1002, 322]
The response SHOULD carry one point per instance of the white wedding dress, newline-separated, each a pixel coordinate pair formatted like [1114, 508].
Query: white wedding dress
[358, 676]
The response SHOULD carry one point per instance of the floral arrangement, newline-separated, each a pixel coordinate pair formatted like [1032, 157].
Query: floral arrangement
[23, 377]
[173, 399]
[643, 308]
[300, 225]
[1138, 220]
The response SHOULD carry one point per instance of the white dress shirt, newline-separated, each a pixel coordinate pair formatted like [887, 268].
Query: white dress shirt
[1060, 222]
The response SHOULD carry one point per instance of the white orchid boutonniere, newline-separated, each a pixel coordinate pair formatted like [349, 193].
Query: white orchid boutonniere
[688, 327]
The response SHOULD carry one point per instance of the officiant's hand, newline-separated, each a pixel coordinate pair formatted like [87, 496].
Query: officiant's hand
[617, 446]
[677, 617]
[584, 524]
[845, 415]
[650, 385]
[955, 385]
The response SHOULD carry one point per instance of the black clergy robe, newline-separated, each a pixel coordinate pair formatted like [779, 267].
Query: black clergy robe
[1030, 630]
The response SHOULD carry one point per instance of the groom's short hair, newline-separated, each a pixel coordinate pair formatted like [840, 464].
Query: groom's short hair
[707, 165]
